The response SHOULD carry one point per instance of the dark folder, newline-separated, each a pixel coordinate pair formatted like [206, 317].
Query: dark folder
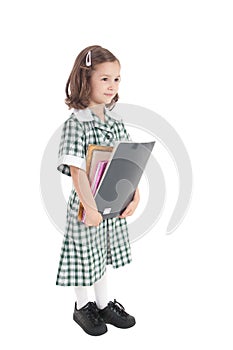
[126, 162]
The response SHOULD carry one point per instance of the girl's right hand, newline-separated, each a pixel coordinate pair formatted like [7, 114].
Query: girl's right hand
[93, 218]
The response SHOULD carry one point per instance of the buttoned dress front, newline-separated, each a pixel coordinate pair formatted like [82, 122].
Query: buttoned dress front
[86, 250]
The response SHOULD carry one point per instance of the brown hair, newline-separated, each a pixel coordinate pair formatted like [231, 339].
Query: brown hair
[78, 84]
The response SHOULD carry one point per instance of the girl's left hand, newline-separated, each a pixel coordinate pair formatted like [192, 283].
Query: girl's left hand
[131, 207]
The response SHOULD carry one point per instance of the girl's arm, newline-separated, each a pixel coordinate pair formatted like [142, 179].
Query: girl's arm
[136, 197]
[83, 190]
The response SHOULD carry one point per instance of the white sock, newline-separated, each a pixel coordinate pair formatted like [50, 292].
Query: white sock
[81, 295]
[101, 292]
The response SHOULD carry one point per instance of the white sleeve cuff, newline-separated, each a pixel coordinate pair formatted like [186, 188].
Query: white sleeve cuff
[72, 160]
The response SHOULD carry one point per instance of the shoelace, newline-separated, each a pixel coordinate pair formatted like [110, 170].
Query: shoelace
[119, 308]
[93, 312]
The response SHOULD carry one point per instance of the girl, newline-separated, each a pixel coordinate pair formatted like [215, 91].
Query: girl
[91, 91]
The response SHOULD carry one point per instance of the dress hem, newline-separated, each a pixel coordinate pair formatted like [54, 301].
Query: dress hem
[88, 285]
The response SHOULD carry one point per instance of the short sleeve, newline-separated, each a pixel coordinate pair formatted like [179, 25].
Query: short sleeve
[72, 147]
[124, 133]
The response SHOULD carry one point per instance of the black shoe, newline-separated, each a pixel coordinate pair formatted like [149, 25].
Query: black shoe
[115, 314]
[89, 320]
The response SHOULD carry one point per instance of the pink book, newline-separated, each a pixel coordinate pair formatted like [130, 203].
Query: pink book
[96, 180]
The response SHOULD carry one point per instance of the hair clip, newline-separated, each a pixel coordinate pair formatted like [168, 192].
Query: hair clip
[88, 59]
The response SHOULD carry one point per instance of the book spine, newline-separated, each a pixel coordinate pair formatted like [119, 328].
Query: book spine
[101, 166]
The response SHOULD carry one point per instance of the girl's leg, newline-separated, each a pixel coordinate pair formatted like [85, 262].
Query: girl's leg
[101, 292]
[81, 295]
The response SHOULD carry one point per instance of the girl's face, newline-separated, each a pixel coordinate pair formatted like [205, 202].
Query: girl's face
[104, 83]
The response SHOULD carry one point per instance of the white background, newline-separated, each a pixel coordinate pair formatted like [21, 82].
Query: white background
[176, 60]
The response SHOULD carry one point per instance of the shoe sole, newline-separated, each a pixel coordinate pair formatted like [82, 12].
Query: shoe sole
[86, 330]
[122, 327]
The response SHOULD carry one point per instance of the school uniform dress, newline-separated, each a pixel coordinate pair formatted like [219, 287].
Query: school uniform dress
[86, 250]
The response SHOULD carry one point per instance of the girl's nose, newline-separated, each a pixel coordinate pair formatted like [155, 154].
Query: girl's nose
[111, 85]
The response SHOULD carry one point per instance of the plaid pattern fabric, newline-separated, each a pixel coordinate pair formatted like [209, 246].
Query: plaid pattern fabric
[86, 250]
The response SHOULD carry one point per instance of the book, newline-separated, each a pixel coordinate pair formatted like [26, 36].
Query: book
[95, 154]
[114, 174]
[95, 182]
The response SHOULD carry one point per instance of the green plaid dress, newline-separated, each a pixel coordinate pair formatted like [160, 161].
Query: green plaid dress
[86, 250]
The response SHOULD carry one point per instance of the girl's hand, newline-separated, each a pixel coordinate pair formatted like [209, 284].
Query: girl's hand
[93, 218]
[131, 207]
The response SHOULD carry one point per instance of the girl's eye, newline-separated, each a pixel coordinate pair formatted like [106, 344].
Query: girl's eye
[106, 79]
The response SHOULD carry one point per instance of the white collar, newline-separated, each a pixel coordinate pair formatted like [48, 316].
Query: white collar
[85, 115]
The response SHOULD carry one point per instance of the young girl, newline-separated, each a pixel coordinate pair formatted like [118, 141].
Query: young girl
[92, 90]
